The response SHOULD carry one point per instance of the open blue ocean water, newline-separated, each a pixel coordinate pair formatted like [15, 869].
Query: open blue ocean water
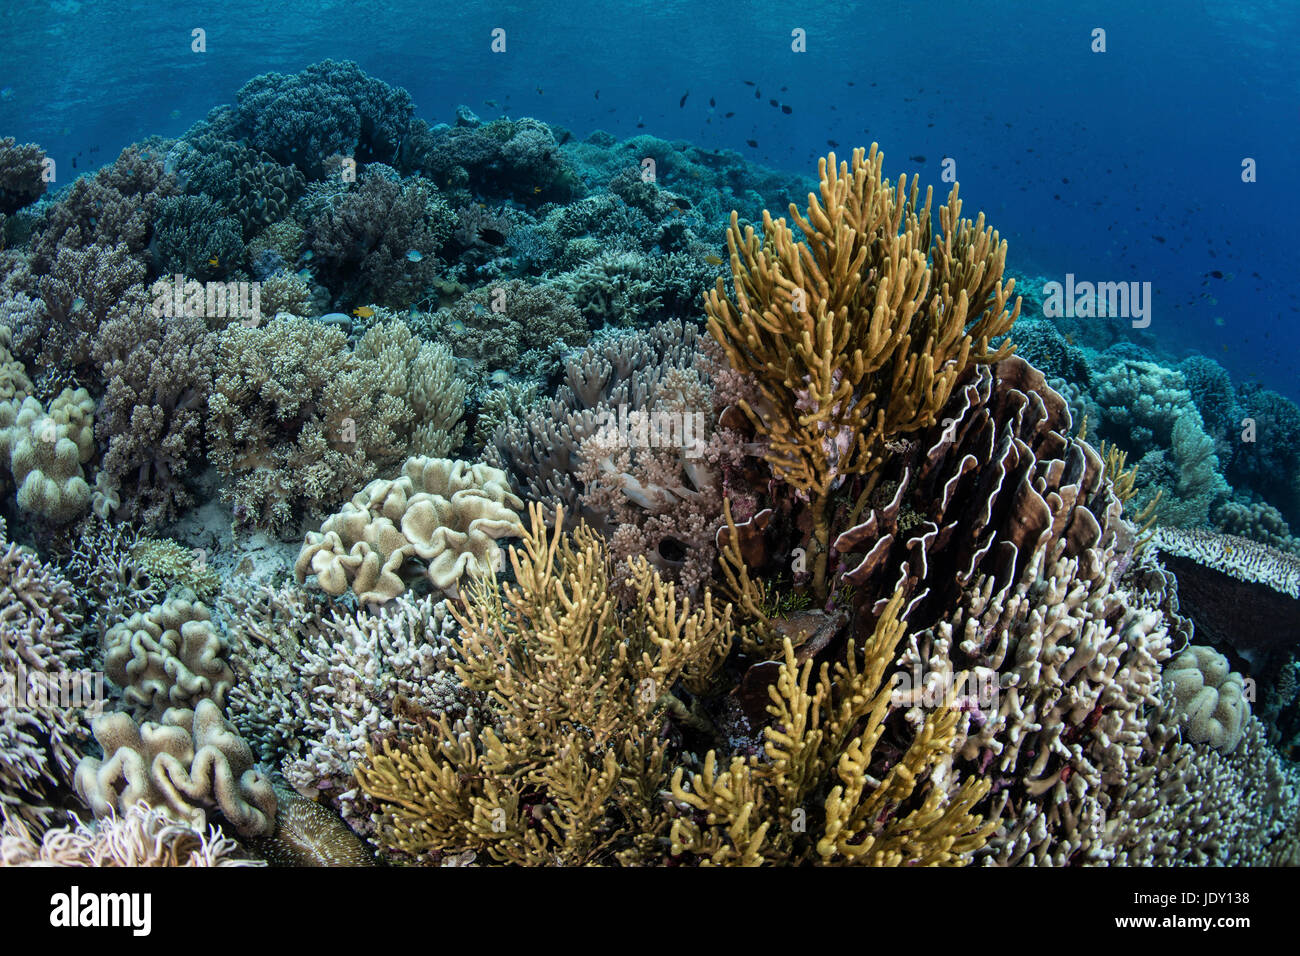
[1117, 166]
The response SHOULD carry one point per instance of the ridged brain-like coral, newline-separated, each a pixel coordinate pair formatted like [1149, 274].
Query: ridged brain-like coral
[449, 514]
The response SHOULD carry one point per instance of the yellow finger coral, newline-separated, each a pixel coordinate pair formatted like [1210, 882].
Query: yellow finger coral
[858, 333]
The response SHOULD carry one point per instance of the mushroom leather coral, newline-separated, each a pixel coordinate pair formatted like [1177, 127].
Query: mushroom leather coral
[449, 514]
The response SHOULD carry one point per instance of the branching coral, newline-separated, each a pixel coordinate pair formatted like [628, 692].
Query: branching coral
[43, 691]
[379, 241]
[523, 329]
[159, 375]
[296, 421]
[568, 766]
[858, 335]
[141, 836]
[21, 175]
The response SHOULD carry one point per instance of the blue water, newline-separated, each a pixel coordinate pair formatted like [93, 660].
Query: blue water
[1123, 165]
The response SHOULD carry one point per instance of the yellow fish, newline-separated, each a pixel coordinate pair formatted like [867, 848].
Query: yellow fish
[1069, 338]
[214, 261]
[713, 260]
[536, 189]
[363, 312]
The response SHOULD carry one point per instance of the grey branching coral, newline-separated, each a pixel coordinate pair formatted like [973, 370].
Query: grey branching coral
[22, 179]
[45, 692]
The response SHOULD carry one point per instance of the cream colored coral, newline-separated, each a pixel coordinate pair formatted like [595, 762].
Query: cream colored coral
[449, 514]
[1209, 694]
[14, 383]
[45, 450]
[169, 656]
[189, 763]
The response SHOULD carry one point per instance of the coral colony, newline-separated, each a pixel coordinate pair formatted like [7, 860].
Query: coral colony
[385, 493]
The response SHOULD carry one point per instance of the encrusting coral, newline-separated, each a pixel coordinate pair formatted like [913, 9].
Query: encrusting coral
[856, 336]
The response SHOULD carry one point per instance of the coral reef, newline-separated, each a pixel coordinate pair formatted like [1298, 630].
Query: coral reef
[44, 449]
[858, 335]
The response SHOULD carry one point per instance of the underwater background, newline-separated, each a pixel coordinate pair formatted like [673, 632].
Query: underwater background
[389, 418]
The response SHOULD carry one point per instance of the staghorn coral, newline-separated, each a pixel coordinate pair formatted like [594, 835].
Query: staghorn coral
[858, 335]
[44, 451]
[169, 656]
[141, 836]
[448, 514]
[150, 421]
[186, 765]
[22, 179]
[1208, 695]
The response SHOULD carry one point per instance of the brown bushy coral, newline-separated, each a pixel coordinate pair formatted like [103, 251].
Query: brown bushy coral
[576, 764]
[295, 421]
[158, 374]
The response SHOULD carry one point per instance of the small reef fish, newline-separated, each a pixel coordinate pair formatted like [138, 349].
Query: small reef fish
[682, 101]
[7, 92]
[215, 262]
[786, 110]
[363, 312]
[751, 143]
[414, 255]
[917, 159]
[730, 115]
